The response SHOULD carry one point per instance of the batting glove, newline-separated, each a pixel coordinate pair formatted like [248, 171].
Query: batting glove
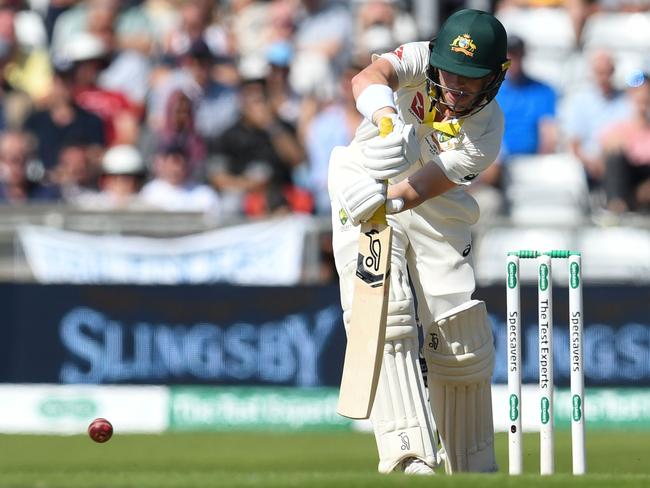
[365, 132]
[359, 194]
[387, 157]
[361, 199]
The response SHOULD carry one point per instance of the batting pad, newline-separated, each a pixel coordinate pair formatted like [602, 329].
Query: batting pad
[400, 416]
[459, 351]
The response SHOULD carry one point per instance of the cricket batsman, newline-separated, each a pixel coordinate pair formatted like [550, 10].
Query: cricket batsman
[447, 128]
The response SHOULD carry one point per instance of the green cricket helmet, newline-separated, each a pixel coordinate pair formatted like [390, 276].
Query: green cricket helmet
[470, 43]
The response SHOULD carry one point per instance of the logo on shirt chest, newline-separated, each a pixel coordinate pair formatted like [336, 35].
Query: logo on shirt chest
[432, 144]
[442, 137]
[439, 141]
[446, 142]
[417, 106]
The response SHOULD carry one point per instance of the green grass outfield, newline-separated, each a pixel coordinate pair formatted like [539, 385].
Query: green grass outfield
[340, 460]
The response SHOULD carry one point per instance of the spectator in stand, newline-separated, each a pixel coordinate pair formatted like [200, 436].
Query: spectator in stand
[252, 163]
[62, 119]
[249, 21]
[25, 74]
[54, 9]
[178, 126]
[88, 57]
[216, 103]
[193, 19]
[334, 125]
[74, 174]
[589, 110]
[381, 26]
[286, 103]
[132, 25]
[529, 109]
[528, 106]
[17, 187]
[627, 149]
[163, 19]
[173, 187]
[281, 22]
[130, 62]
[198, 21]
[123, 174]
[323, 42]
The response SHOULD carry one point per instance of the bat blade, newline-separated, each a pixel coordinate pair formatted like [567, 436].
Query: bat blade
[364, 351]
[367, 330]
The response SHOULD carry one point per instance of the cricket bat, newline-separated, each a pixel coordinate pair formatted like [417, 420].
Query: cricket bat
[367, 330]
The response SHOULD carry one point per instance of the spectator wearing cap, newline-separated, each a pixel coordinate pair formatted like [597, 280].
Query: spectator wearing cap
[251, 164]
[173, 188]
[215, 103]
[627, 149]
[589, 110]
[60, 120]
[87, 56]
[123, 174]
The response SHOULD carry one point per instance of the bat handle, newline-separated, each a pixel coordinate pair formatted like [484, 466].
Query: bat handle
[385, 128]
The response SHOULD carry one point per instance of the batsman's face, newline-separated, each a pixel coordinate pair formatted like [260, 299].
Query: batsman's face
[460, 92]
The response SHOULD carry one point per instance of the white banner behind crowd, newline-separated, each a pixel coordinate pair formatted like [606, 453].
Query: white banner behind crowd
[264, 253]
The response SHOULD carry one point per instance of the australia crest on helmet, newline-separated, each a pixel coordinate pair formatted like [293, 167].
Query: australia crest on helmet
[463, 44]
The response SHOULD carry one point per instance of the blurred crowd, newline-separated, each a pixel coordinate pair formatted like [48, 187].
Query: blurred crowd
[232, 107]
[227, 107]
[605, 127]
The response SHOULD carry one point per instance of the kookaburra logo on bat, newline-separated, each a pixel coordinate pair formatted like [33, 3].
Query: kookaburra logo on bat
[368, 264]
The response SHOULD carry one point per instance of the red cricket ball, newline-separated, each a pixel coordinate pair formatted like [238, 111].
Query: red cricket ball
[100, 430]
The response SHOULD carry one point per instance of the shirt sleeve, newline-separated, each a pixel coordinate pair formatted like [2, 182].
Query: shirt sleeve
[473, 154]
[410, 62]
